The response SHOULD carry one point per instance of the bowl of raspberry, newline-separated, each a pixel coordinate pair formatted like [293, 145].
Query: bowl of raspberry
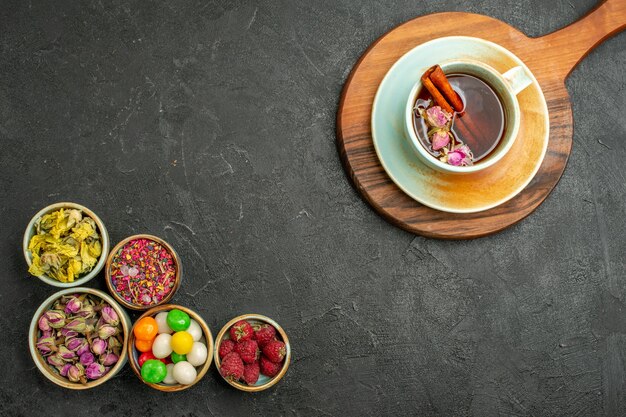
[252, 352]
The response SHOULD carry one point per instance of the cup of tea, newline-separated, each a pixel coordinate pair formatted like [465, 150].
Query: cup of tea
[487, 126]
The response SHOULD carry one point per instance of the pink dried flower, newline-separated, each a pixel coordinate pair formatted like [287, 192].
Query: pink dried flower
[440, 140]
[437, 117]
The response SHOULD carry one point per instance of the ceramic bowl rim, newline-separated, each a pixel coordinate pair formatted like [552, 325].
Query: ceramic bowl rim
[34, 330]
[104, 238]
[276, 378]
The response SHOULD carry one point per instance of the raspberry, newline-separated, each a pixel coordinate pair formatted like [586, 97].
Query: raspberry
[248, 350]
[269, 368]
[240, 331]
[251, 373]
[232, 366]
[264, 333]
[226, 347]
[275, 351]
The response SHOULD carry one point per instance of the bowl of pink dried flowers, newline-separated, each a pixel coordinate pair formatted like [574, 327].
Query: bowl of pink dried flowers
[78, 338]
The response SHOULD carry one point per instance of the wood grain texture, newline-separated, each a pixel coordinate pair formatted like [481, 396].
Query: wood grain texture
[551, 58]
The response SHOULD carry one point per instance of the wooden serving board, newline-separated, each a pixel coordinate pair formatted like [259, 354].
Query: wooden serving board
[551, 58]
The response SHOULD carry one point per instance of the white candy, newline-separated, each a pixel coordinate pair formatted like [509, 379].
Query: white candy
[161, 320]
[169, 378]
[195, 330]
[162, 346]
[184, 373]
[197, 355]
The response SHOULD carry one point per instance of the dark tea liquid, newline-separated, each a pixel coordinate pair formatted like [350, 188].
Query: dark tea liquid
[480, 126]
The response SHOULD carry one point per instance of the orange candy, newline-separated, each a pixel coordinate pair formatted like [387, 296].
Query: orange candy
[143, 345]
[146, 329]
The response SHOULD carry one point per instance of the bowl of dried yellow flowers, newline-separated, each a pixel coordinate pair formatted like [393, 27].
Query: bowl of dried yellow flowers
[65, 245]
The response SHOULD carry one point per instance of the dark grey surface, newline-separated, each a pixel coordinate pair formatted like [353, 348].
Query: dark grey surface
[211, 124]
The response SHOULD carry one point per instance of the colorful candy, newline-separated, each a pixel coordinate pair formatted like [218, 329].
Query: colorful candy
[178, 320]
[143, 272]
[153, 371]
[182, 343]
[179, 353]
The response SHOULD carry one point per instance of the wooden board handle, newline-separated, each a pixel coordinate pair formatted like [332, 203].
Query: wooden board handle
[564, 49]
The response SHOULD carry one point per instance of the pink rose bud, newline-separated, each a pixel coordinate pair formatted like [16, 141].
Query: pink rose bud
[107, 331]
[56, 360]
[109, 359]
[64, 369]
[83, 349]
[437, 117]
[74, 373]
[98, 346]
[440, 140]
[77, 324]
[75, 343]
[66, 354]
[68, 333]
[43, 323]
[46, 345]
[94, 371]
[455, 158]
[55, 318]
[110, 316]
[73, 306]
[87, 358]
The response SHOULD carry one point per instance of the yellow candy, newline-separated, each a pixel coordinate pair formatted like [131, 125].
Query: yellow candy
[182, 342]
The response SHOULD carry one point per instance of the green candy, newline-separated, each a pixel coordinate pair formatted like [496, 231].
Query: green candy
[178, 320]
[153, 371]
[178, 358]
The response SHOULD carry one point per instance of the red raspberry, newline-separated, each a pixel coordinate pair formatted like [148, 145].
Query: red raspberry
[269, 368]
[226, 347]
[264, 333]
[251, 373]
[275, 351]
[232, 366]
[248, 350]
[240, 331]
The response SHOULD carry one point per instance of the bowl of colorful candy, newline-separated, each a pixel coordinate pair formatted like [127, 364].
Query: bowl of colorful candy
[143, 271]
[78, 338]
[252, 352]
[171, 348]
[65, 245]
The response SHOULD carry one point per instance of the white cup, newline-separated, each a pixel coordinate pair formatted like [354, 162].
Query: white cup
[506, 86]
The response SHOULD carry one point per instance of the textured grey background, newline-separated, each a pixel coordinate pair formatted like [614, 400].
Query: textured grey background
[211, 124]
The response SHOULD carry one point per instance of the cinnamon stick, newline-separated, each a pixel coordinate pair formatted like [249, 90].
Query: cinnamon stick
[439, 99]
[440, 81]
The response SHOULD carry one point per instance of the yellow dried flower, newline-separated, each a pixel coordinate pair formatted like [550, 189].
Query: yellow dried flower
[66, 245]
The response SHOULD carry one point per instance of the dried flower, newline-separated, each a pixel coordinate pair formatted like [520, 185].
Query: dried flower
[56, 360]
[46, 345]
[68, 334]
[98, 346]
[55, 318]
[75, 343]
[83, 349]
[66, 354]
[108, 359]
[86, 311]
[460, 156]
[437, 117]
[440, 139]
[75, 372]
[107, 331]
[87, 358]
[43, 323]
[63, 370]
[77, 324]
[73, 306]
[109, 315]
[95, 371]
